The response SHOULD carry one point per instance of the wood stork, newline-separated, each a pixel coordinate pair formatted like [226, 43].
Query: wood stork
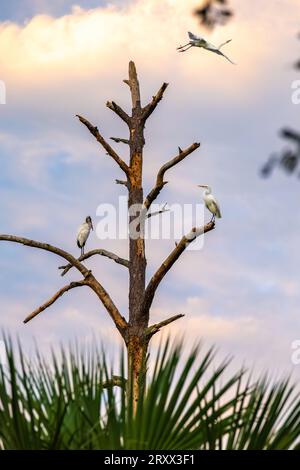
[210, 202]
[83, 233]
[197, 41]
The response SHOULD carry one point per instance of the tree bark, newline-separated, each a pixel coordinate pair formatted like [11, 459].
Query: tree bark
[138, 319]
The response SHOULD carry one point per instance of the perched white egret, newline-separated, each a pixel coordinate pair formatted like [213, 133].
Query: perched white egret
[210, 202]
[83, 233]
[197, 41]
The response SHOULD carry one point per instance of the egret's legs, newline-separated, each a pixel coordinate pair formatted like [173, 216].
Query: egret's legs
[183, 50]
[180, 47]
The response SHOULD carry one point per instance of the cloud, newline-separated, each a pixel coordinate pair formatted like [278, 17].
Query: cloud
[79, 44]
[30, 8]
[259, 343]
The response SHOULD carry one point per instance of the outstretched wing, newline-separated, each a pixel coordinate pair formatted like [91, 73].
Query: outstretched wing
[224, 43]
[217, 51]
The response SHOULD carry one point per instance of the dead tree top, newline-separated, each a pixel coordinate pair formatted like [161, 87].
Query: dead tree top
[133, 173]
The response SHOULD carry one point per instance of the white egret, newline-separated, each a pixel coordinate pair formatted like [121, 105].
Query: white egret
[197, 41]
[210, 202]
[83, 233]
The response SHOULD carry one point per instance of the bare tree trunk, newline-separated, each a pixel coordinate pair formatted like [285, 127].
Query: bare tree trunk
[138, 320]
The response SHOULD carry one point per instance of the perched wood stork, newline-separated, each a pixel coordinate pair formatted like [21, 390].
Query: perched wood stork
[197, 41]
[210, 202]
[83, 233]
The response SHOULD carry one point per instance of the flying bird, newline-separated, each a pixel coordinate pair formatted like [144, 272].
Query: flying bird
[210, 202]
[197, 41]
[83, 233]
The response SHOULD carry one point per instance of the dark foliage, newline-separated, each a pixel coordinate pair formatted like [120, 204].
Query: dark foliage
[288, 159]
[214, 12]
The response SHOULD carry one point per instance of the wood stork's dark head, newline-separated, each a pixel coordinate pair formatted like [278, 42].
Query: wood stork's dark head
[89, 222]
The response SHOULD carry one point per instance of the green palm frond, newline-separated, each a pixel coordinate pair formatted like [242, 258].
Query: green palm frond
[63, 403]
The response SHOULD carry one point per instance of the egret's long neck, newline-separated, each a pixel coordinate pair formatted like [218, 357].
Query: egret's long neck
[207, 191]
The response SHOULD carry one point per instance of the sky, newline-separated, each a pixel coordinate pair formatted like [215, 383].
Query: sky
[58, 59]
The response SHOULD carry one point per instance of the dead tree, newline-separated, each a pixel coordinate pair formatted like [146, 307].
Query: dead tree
[135, 330]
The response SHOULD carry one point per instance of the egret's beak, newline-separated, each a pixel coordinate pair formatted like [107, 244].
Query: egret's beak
[201, 186]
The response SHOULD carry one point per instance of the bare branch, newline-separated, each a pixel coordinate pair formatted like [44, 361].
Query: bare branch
[52, 249]
[154, 193]
[148, 110]
[134, 86]
[115, 381]
[108, 254]
[111, 152]
[91, 281]
[53, 299]
[151, 330]
[119, 139]
[124, 183]
[170, 261]
[158, 212]
[119, 111]
[160, 176]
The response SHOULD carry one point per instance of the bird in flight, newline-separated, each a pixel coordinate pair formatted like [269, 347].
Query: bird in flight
[83, 233]
[210, 202]
[197, 41]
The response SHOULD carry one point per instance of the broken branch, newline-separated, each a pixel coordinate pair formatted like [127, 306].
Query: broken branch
[134, 86]
[151, 330]
[123, 182]
[119, 139]
[158, 212]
